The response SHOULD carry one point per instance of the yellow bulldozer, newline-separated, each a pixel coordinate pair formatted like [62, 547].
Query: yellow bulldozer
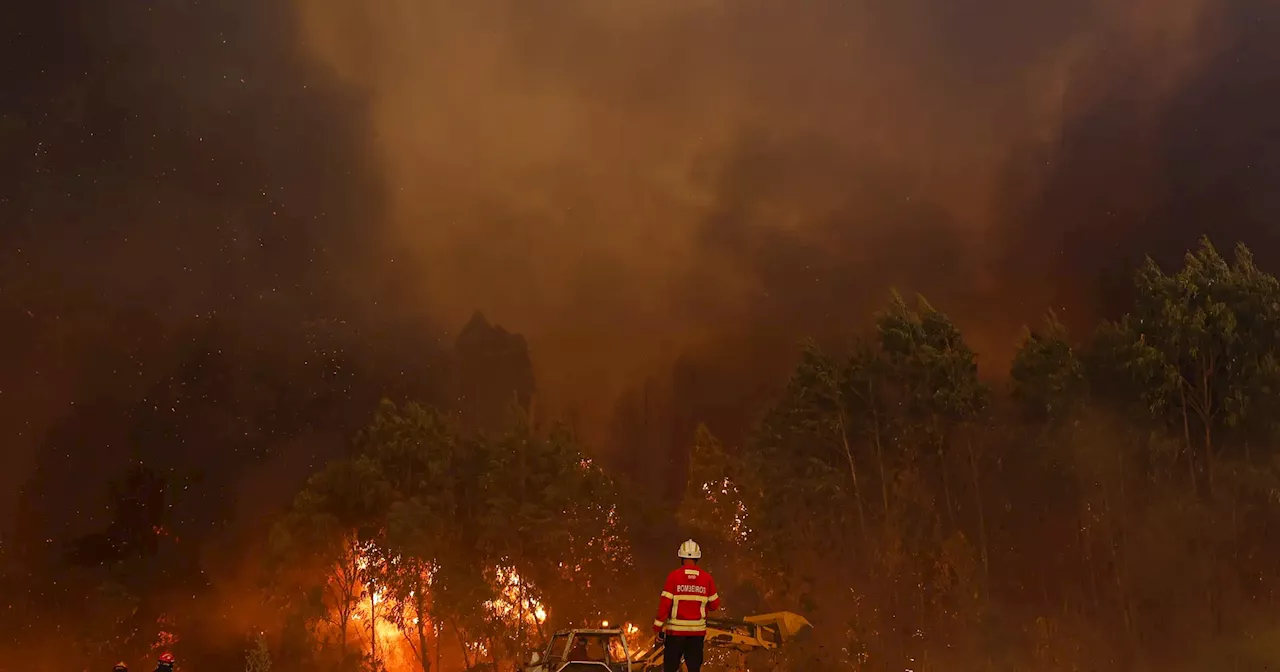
[606, 650]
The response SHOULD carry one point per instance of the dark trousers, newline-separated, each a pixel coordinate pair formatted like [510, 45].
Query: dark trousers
[687, 648]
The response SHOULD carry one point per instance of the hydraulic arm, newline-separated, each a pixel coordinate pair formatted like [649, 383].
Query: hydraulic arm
[753, 633]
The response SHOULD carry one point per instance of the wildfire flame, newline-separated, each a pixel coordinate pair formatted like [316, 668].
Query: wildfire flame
[514, 599]
[386, 625]
[629, 632]
[632, 634]
[392, 637]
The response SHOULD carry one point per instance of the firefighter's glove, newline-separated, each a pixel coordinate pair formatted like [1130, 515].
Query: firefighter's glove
[660, 639]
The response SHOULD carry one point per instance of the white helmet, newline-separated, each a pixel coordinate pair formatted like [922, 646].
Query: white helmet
[689, 550]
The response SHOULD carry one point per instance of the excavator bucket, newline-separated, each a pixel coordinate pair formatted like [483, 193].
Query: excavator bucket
[785, 623]
[765, 632]
[754, 633]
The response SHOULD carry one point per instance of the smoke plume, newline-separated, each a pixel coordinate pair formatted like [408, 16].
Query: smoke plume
[627, 184]
[627, 181]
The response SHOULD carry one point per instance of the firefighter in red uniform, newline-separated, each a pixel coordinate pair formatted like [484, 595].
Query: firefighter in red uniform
[681, 624]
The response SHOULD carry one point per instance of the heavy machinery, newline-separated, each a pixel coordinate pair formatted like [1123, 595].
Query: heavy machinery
[584, 650]
[605, 649]
[765, 632]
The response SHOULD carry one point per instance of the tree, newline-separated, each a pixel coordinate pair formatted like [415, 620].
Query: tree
[865, 383]
[715, 500]
[321, 547]
[1048, 377]
[494, 372]
[551, 515]
[528, 488]
[720, 497]
[258, 659]
[939, 390]
[421, 458]
[809, 499]
[471, 534]
[809, 426]
[1200, 346]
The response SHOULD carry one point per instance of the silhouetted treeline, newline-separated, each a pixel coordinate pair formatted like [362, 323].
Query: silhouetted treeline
[1109, 509]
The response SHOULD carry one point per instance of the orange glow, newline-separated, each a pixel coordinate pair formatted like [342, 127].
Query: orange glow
[514, 599]
[374, 616]
[392, 639]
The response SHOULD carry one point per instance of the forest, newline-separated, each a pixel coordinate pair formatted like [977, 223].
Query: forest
[1104, 504]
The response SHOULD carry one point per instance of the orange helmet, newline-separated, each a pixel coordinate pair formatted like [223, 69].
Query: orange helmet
[120, 667]
[166, 658]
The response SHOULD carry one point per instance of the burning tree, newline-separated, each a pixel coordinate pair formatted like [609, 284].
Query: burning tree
[320, 547]
[427, 536]
[552, 515]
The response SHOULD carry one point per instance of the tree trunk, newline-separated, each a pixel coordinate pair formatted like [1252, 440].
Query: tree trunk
[946, 484]
[1123, 550]
[1207, 414]
[519, 559]
[373, 624]
[435, 630]
[984, 547]
[419, 612]
[346, 577]
[1117, 562]
[1186, 434]
[853, 473]
[462, 642]
[1206, 411]
[875, 432]
[1209, 458]
[344, 618]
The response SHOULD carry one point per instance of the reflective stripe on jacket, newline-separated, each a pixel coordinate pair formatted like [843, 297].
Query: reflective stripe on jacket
[687, 596]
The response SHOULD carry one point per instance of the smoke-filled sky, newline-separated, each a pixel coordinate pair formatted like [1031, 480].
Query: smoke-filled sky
[622, 181]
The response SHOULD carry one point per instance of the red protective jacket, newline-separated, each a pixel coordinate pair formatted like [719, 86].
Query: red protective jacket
[687, 596]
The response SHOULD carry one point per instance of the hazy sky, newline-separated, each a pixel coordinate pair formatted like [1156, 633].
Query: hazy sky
[623, 181]
[612, 178]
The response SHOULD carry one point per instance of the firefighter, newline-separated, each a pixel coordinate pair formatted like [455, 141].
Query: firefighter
[120, 667]
[165, 664]
[681, 624]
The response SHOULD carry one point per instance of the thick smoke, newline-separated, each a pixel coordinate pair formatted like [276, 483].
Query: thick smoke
[185, 197]
[627, 181]
[629, 184]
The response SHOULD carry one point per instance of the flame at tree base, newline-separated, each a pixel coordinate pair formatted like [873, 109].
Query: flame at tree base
[388, 629]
